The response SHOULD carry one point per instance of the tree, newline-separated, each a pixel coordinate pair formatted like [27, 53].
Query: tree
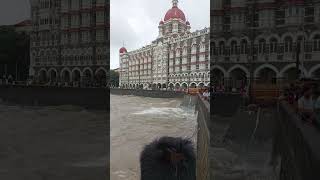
[114, 78]
[14, 53]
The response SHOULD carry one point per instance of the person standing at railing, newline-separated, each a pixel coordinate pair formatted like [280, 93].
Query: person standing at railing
[306, 105]
[206, 95]
[317, 109]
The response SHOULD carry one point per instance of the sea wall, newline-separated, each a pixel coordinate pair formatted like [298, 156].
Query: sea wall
[297, 143]
[203, 138]
[90, 98]
[148, 93]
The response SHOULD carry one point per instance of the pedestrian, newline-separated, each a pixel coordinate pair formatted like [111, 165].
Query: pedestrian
[306, 105]
[317, 108]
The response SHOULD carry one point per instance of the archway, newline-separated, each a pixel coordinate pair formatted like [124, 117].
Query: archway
[177, 86]
[66, 76]
[201, 85]
[101, 77]
[164, 86]
[218, 76]
[290, 74]
[171, 86]
[238, 78]
[267, 76]
[184, 85]
[43, 76]
[316, 74]
[76, 75]
[53, 75]
[154, 86]
[87, 76]
[193, 85]
[159, 86]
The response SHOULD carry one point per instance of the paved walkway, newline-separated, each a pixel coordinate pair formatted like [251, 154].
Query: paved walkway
[234, 156]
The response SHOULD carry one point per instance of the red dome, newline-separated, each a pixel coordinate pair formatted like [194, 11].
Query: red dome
[175, 12]
[161, 22]
[123, 50]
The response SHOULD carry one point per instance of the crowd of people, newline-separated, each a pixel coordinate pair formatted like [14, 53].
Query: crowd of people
[305, 98]
[205, 94]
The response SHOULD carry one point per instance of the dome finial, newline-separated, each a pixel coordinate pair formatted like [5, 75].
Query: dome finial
[175, 3]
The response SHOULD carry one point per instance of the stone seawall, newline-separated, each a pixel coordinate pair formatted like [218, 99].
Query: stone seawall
[148, 93]
[203, 138]
[90, 98]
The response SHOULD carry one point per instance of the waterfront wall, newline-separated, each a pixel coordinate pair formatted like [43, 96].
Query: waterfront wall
[90, 98]
[297, 145]
[203, 138]
[148, 93]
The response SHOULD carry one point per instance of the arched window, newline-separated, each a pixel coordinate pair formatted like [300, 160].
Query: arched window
[262, 46]
[316, 43]
[288, 44]
[273, 45]
[233, 47]
[244, 47]
[221, 48]
[213, 48]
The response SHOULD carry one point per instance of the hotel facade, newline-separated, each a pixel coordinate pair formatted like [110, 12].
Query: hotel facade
[263, 40]
[69, 41]
[178, 58]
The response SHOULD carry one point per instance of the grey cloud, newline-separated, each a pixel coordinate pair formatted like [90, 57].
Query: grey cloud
[14, 11]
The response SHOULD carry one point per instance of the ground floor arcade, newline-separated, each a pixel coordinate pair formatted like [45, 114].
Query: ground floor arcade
[84, 76]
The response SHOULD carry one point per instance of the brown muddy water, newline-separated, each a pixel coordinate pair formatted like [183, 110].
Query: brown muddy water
[136, 121]
[61, 142]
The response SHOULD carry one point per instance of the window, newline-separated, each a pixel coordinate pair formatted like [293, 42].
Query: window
[221, 48]
[288, 44]
[262, 46]
[273, 45]
[244, 47]
[316, 43]
[233, 47]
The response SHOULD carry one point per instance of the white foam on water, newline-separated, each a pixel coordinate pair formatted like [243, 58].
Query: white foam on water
[165, 111]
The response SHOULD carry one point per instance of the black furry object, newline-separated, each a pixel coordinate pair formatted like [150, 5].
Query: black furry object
[168, 158]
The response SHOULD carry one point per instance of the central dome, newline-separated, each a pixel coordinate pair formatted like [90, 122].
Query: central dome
[175, 13]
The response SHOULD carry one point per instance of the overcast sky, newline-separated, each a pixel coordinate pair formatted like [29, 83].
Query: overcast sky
[14, 11]
[135, 22]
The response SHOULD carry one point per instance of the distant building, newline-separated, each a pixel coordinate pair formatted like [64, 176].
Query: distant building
[178, 58]
[24, 26]
[259, 38]
[69, 40]
[117, 70]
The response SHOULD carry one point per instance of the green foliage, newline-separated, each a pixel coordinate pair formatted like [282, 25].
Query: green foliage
[114, 78]
[14, 52]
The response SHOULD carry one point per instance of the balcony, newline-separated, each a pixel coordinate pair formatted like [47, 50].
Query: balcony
[279, 54]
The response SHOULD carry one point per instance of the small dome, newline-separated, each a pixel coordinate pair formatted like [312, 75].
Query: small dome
[161, 23]
[188, 23]
[175, 13]
[123, 50]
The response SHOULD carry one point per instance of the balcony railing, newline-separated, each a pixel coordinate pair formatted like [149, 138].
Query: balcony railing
[279, 52]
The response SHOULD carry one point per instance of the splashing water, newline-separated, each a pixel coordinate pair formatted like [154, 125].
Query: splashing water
[136, 121]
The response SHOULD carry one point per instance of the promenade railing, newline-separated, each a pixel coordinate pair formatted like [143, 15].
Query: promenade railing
[297, 144]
